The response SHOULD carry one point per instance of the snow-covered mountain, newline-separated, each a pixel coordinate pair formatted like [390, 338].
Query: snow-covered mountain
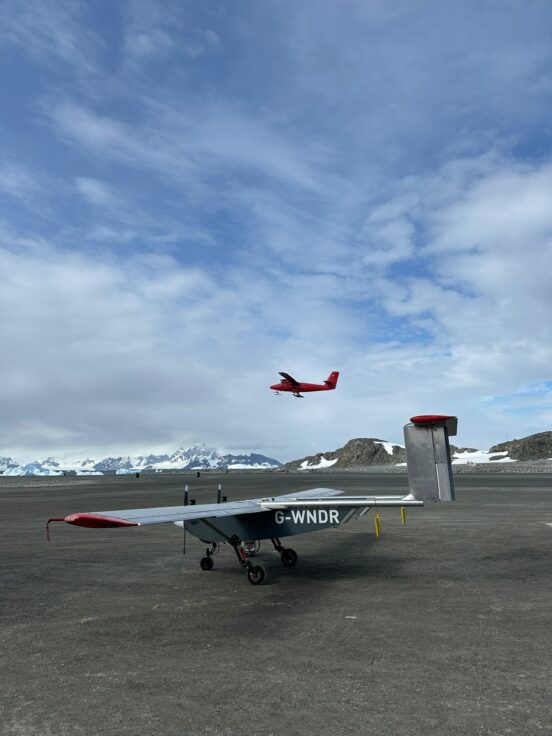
[6, 463]
[359, 453]
[199, 457]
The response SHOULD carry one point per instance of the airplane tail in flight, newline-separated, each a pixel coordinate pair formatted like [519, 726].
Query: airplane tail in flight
[331, 380]
[428, 457]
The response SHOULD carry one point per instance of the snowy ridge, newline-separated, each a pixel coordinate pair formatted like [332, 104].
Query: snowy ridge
[199, 457]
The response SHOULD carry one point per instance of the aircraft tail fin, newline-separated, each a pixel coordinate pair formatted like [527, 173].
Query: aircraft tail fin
[428, 457]
[331, 380]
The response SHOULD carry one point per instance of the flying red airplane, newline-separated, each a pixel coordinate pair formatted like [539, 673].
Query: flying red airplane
[290, 384]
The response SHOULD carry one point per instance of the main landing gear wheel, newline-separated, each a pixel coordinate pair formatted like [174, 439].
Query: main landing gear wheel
[256, 574]
[289, 557]
[206, 563]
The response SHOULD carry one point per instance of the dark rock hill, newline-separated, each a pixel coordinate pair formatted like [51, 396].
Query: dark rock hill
[535, 447]
[365, 452]
[454, 449]
[358, 453]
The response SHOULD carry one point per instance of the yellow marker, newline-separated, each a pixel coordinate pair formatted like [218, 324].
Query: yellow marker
[377, 525]
[403, 515]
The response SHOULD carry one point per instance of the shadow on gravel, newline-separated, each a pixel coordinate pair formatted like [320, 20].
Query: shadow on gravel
[517, 563]
[334, 559]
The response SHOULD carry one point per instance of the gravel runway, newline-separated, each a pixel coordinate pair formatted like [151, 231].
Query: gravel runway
[442, 627]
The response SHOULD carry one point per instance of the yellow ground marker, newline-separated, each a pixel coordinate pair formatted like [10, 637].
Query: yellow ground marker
[377, 525]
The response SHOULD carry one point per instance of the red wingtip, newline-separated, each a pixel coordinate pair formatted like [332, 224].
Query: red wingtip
[96, 521]
[92, 521]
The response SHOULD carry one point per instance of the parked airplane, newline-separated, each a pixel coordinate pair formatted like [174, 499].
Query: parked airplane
[242, 524]
[290, 384]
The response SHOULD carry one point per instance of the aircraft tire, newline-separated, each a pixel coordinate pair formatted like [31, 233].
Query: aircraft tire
[206, 563]
[289, 557]
[256, 574]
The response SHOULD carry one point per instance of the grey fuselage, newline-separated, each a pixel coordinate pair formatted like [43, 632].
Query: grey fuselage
[268, 524]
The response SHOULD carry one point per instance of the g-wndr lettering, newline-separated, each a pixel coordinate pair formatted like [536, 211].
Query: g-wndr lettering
[309, 516]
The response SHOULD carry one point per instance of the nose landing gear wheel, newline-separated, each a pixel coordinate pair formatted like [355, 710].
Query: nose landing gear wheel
[256, 574]
[206, 563]
[289, 557]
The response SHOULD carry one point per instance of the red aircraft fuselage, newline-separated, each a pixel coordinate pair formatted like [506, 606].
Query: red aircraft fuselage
[296, 387]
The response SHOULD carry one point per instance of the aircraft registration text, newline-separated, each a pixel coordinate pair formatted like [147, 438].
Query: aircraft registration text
[308, 516]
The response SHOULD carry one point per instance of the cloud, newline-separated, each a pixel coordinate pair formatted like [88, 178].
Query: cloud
[400, 86]
[503, 208]
[190, 142]
[94, 191]
[485, 291]
[145, 43]
[96, 327]
[17, 181]
[52, 31]
[391, 240]
[155, 31]
[148, 354]
[97, 131]
[13, 238]
[535, 395]
[230, 195]
[465, 319]
[142, 45]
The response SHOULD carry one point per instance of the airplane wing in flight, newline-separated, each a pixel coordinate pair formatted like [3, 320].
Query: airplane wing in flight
[289, 379]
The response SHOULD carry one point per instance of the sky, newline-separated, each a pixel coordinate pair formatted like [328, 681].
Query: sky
[195, 196]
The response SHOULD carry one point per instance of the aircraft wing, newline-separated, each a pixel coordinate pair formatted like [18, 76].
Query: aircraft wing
[350, 502]
[355, 507]
[168, 514]
[161, 514]
[290, 379]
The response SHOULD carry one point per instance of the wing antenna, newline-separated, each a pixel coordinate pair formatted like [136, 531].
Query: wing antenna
[186, 502]
[54, 518]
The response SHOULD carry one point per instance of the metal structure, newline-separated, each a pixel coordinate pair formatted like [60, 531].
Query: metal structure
[242, 524]
[428, 456]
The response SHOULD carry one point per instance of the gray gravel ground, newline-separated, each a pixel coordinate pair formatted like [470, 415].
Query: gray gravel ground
[443, 627]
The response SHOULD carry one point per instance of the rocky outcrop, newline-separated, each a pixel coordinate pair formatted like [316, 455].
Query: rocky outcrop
[361, 452]
[367, 452]
[454, 449]
[535, 447]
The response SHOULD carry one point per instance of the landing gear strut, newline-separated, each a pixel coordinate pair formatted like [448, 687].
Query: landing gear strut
[206, 563]
[288, 555]
[256, 574]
